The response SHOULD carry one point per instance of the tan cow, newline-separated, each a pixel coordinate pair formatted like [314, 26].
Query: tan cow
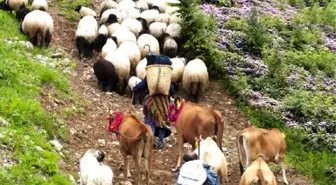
[253, 142]
[194, 121]
[258, 171]
[135, 139]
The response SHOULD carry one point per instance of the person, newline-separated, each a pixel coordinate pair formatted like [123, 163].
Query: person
[175, 109]
[155, 109]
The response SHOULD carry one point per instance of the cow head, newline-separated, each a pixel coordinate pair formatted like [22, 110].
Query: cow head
[115, 119]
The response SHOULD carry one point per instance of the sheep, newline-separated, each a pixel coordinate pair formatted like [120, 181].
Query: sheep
[38, 24]
[171, 10]
[110, 45]
[86, 34]
[9, 5]
[174, 30]
[132, 50]
[175, 18]
[92, 171]
[105, 73]
[195, 78]
[101, 39]
[124, 35]
[149, 2]
[168, 45]
[40, 5]
[178, 65]
[112, 28]
[133, 25]
[132, 82]
[211, 154]
[140, 69]
[85, 11]
[157, 29]
[145, 39]
[122, 65]
[149, 15]
[141, 5]
[20, 14]
[143, 23]
[105, 5]
[106, 14]
[161, 4]
[130, 13]
[125, 5]
[163, 17]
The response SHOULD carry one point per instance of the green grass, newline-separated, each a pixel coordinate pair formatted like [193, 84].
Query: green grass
[21, 82]
[68, 8]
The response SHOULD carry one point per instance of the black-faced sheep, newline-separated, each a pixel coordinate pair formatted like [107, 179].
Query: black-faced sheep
[195, 78]
[157, 29]
[107, 4]
[38, 26]
[141, 5]
[140, 69]
[110, 45]
[149, 15]
[107, 13]
[178, 65]
[86, 34]
[9, 5]
[40, 5]
[101, 39]
[85, 11]
[147, 39]
[106, 74]
[123, 34]
[20, 14]
[168, 45]
[92, 171]
[136, 97]
[132, 50]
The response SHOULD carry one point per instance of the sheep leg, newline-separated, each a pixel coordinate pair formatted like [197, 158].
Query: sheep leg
[47, 38]
[180, 149]
[283, 171]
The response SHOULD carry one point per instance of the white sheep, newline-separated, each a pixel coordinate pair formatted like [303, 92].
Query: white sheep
[163, 17]
[132, 50]
[195, 78]
[149, 15]
[133, 25]
[122, 66]
[92, 171]
[145, 39]
[40, 5]
[106, 14]
[174, 30]
[86, 33]
[110, 45]
[178, 65]
[161, 4]
[107, 4]
[141, 5]
[157, 29]
[140, 69]
[130, 13]
[125, 4]
[133, 81]
[85, 11]
[124, 35]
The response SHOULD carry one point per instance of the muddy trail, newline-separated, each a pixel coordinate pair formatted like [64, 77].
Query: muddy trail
[87, 128]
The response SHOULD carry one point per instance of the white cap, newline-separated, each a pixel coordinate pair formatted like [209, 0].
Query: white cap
[192, 173]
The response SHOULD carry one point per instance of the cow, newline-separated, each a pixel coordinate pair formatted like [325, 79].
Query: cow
[258, 171]
[194, 121]
[210, 154]
[252, 142]
[135, 139]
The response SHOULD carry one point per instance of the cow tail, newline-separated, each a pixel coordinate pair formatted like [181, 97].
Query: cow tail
[131, 139]
[260, 175]
[148, 140]
[242, 153]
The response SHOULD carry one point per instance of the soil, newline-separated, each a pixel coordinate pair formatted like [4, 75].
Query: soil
[87, 128]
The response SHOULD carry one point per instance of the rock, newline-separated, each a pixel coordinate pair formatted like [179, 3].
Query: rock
[56, 145]
[121, 176]
[65, 61]
[29, 45]
[23, 43]
[57, 55]
[126, 183]
[9, 42]
[72, 179]
[66, 71]
[52, 65]
[38, 148]
[101, 142]
[16, 38]
[162, 173]
[115, 143]
[3, 122]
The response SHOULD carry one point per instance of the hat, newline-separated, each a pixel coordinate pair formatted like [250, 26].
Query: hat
[192, 173]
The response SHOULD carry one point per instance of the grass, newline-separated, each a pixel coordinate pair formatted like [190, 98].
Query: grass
[25, 139]
[68, 8]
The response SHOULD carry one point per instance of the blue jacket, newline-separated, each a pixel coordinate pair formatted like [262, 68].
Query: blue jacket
[143, 86]
[212, 177]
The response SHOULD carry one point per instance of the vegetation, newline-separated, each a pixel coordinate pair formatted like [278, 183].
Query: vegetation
[25, 153]
[68, 8]
[285, 58]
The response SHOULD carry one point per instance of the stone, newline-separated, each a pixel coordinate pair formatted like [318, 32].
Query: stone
[101, 142]
[57, 55]
[29, 45]
[72, 179]
[57, 145]
[52, 65]
[65, 61]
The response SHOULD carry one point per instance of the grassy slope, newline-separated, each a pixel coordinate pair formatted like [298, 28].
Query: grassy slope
[30, 126]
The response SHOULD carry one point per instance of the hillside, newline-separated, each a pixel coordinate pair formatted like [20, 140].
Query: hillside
[253, 56]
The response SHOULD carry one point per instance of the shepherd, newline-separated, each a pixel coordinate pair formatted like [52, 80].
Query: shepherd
[158, 89]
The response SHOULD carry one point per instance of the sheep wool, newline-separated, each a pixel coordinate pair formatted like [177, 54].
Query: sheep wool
[145, 39]
[110, 45]
[171, 10]
[112, 28]
[149, 15]
[195, 77]
[106, 14]
[105, 73]
[85, 11]
[124, 35]
[133, 81]
[125, 4]
[132, 50]
[36, 23]
[140, 69]
[157, 29]
[161, 4]
[107, 4]
[149, 2]
[169, 46]
[93, 172]
[13, 4]
[102, 37]
[174, 30]
[40, 5]
[178, 65]
[141, 5]
[132, 13]
[163, 17]
[86, 33]
[133, 25]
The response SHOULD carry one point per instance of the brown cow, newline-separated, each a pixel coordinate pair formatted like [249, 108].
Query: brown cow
[258, 171]
[195, 121]
[253, 142]
[135, 139]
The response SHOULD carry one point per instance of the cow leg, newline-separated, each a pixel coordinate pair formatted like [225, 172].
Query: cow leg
[283, 171]
[180, 150]
[127, 172]
[137, 157]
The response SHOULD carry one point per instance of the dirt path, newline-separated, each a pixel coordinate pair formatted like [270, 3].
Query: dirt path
[85, 129]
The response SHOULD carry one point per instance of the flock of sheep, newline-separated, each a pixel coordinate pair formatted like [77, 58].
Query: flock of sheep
[121, 35]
